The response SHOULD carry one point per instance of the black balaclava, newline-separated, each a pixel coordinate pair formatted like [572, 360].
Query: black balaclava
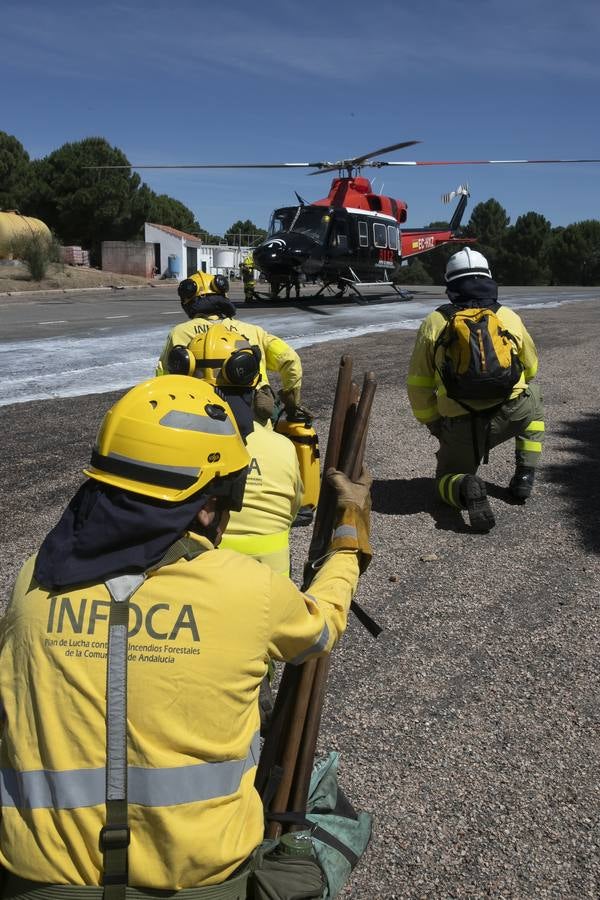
[472, 291]
[106, 531]
[210, 305]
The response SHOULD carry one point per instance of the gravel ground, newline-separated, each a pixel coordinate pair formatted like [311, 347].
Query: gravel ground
[470, 727]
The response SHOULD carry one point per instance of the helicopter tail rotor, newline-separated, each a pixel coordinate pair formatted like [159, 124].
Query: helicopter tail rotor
[461, 191]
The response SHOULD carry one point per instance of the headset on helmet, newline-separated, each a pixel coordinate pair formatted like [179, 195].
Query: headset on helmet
[169, 438]
[187, 290]
[220, 356]
[199, 285]
[220, 284]
[467, 262]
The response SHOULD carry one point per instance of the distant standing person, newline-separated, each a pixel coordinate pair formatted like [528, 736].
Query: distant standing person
[247, 273]
[469, 382]
[292, 282]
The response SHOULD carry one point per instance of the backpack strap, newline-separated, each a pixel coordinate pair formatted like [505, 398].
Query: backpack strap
[115, 834]
[449, 310]
[316, 831]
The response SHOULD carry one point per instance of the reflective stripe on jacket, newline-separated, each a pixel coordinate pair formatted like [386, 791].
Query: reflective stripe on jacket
[426, 392]
[276, 355]
[271, 501]
[200, 633]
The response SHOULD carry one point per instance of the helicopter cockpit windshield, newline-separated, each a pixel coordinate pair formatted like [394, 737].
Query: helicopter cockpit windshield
[310, 220]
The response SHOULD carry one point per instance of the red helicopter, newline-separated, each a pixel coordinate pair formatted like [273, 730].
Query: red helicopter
[352, 238]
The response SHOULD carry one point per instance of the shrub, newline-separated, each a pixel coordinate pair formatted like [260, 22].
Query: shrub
[414, 273]
[36, 251]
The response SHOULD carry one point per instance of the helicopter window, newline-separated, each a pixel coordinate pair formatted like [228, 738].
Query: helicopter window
[339, 235]
[392, 237]
[363, 234]
[380, 235]
[281, 219]
[312, 221]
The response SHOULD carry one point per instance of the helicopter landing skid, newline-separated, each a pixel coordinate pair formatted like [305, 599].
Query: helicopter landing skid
[354, 282]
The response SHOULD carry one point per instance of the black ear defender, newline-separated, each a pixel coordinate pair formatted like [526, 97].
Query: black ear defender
[220, 284]
[242, 369]
[180, 361]
[187, 289]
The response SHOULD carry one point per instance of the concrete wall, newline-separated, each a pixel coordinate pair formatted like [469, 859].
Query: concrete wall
[128, 258]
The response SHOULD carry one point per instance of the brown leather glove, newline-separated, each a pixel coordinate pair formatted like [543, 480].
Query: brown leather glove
[353, 516]
[291, 404]
[264, 404]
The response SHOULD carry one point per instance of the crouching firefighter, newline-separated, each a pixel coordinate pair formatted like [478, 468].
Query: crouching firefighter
[204, 300]
[469, 382]
[131, 655]
[274, 488]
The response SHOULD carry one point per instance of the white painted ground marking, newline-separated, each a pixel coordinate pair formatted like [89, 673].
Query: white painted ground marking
[172, 313]
[116, 317]
[53, 322]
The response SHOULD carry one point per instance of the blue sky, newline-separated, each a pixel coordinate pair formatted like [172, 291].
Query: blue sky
[297, 81]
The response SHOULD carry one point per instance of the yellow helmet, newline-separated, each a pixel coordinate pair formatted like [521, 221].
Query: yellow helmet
[220, 356]
[168, 438]
[200, 284]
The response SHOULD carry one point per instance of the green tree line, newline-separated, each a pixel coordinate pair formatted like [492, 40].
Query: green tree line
[529, 252]
[85, 206]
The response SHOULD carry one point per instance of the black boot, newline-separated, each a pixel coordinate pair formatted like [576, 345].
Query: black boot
[521, 484]
[473, 494]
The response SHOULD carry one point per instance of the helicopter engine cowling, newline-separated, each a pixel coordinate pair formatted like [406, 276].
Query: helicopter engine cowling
[288, 252]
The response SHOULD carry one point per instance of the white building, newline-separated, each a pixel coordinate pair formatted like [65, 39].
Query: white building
[179, 254]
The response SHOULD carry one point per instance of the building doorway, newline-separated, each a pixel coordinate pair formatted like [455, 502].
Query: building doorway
[192, 260]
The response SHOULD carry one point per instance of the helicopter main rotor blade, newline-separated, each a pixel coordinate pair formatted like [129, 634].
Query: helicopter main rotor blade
[359, 160]
[478, 162]
[322, 166]
[356, 162]
[289, 165]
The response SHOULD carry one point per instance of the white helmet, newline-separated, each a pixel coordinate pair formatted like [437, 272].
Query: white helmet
[467, 262]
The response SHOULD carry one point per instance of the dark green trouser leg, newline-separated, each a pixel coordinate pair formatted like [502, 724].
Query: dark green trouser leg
[522, 419]
[456, 456]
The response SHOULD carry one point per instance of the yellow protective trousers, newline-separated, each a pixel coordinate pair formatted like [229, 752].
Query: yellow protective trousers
[521, 418]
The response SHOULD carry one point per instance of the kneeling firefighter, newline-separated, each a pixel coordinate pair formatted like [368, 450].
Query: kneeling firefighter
[274, 490]
[155, 643]
[470, 382]
[203, 298]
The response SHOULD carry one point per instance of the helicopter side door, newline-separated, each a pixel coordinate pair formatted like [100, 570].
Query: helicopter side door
[386, 240]
[365, 252]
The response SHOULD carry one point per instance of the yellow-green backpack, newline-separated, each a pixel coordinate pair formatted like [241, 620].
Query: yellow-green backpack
[475, 355]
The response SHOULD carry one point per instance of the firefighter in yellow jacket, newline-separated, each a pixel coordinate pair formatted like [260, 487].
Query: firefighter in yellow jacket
[203, 298]
[273, 491]
[247, 273]
[132, 651]
[468, 428]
